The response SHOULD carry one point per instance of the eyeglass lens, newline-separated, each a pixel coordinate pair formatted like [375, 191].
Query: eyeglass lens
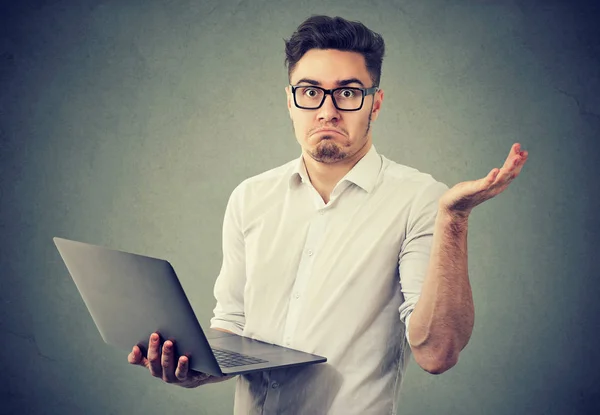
[346, 99]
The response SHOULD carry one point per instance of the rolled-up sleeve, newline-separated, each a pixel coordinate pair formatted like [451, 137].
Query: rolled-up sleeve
[416, 248]
[229, 286]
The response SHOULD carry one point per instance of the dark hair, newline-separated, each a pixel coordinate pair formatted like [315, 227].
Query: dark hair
[324, 32]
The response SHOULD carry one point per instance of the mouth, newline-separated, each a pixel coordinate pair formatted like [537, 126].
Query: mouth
[327, 131]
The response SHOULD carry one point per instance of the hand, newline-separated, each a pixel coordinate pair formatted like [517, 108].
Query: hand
[462, 198]
[162, 365]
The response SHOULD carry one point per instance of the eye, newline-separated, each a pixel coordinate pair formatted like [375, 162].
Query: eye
[347, 93]
[311, 92]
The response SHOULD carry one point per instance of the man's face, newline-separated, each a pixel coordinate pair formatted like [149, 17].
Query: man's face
[330, 69]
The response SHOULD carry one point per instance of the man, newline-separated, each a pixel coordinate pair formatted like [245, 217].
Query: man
[342, 252]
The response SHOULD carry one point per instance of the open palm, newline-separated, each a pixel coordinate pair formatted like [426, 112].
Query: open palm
[464, 196]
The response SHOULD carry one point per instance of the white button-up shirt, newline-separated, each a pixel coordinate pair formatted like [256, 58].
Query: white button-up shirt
[338, 280]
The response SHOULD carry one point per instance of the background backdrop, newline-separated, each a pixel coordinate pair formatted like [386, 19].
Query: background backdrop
[128, 124]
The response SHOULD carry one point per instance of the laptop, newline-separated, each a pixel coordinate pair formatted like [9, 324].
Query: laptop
[130, 296]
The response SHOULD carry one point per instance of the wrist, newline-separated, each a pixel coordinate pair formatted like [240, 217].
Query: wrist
[453, 213]
[453, 219]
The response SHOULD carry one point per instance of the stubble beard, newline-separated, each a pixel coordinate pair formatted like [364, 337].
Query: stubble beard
[329, 152]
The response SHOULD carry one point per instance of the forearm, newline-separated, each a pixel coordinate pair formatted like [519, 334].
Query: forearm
[224, 330]
[442, 321]
[216, 379]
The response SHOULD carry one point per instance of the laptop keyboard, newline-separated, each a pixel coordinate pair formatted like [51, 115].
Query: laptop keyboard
[227, 358]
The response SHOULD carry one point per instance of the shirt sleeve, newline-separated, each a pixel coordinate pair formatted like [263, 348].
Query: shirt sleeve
[229, 286]
[416, 248]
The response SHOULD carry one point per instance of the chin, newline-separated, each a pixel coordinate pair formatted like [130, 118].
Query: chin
[328, 152]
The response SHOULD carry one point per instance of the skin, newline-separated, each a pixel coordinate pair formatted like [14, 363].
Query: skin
[463, 197]
[163, 364]
[442, 321]
[329, 156]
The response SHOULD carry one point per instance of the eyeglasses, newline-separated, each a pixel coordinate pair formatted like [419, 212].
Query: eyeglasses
[311, 97]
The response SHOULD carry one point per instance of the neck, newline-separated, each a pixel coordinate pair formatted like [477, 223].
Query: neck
[325, 176]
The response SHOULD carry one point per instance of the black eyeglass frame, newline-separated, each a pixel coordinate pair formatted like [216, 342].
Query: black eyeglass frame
[365, 92]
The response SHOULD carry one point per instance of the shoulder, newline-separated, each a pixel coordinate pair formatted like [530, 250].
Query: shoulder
[265, 183]
[410, 180]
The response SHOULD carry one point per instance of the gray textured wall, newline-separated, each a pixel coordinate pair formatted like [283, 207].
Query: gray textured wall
[128, 123]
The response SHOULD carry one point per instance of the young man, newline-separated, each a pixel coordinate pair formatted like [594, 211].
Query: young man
[342, 252]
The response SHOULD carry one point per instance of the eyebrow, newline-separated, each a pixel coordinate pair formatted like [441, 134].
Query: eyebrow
[342, 82]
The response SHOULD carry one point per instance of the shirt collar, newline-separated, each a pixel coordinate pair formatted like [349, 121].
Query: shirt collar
[363, 174]
[299, 174]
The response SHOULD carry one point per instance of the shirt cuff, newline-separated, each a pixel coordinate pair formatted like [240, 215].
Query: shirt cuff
[226, 325]
[406, 322]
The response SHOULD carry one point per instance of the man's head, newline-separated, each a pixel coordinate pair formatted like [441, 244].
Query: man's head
[331, 53]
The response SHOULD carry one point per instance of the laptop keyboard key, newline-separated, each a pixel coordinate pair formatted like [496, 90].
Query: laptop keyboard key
[227, 358]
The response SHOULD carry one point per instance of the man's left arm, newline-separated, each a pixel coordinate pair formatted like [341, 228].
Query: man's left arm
[442, 320]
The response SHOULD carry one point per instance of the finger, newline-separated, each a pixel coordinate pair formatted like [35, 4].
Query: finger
[517, 157]
[518, 163]
[514, 153]
[135, 357]
[491, 177]
[181, 372]
[518, 150]
[154, 355]
[512, 167]
[498, 179]
[522, 157]
[167, 362]
[510, 159]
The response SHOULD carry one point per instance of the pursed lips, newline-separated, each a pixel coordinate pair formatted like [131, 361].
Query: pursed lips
[327, 131]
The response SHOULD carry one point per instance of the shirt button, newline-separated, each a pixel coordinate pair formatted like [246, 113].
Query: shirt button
[297, 295]
[274, 385]
[309, 252]
[321, 212]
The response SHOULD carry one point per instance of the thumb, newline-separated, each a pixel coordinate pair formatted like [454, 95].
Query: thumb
[492, 176]
[136, 357]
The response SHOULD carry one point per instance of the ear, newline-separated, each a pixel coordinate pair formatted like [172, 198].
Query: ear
[378, 100]
[289, 97]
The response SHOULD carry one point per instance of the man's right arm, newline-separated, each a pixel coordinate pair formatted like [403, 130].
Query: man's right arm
[229, 287]
[220, 329]
[162, 363]
[229, 317]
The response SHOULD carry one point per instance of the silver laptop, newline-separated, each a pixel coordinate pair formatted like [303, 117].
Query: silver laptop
[131, 296]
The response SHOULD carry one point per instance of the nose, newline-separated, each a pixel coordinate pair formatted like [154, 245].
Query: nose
[328, 111]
